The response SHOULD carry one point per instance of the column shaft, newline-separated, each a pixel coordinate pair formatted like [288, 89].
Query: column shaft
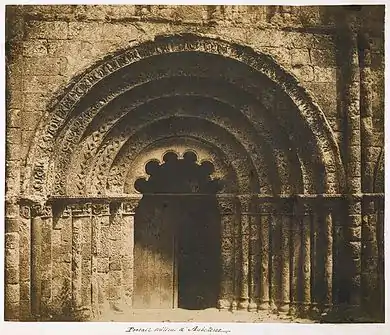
[328, 259]
[351, 94]
[265, 222]
[227, 209]
[285, 266]
[245, 224]
[306, 256]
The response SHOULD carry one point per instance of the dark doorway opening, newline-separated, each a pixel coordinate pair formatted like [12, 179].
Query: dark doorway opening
[177, 235]
[198, 253]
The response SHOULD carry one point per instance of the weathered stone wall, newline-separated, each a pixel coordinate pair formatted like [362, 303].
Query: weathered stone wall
[49, 47]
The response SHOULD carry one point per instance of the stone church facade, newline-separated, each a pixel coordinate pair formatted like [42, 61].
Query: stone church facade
[193, 157]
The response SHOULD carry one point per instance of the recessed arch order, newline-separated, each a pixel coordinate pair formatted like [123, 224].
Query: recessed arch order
[248, 84]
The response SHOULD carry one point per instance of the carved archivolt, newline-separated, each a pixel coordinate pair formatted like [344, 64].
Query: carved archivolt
[271, 131]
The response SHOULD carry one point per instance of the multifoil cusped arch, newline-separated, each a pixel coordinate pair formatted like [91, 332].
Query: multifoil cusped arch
[82, 98]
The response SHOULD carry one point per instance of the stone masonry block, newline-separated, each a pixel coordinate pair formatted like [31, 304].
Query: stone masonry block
[35, 101]
[12, 242]
[103, 265]
[11, 311]
[324, 74]
[34, 48]
[42, 84]
[115, 278]
[12, 152]
[25, 292]
[115, 264]
[325, 94]
[115, 248]
[115, 232]
[45, 66]
[30, 121]
[15, 75]
[12, 274]
[56, 30]
[115, 292]
[122, 31]
[303, 73]
[323, 58]
[64, 48]
[13, 136]
[13, 118]
[25, 310]
[280, 54]
[15, 98]
[11, 293]
[89, 31]
[12, 185]
[300, 57]
[308, 40]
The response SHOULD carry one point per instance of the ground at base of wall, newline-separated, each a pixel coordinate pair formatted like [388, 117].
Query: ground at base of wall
[207, 315]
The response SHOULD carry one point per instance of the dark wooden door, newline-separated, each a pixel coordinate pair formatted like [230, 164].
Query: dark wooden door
[154, 252]
[197, 254]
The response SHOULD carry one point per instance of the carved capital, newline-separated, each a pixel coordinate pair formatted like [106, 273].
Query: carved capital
[25, 211]
[226, 206]
[66, 212]
[44, 211]
[246, 204]
[129, 207]
[101, 209]
[81, 210]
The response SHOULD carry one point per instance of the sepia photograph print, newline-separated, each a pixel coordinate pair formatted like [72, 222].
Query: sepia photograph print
[194, 163]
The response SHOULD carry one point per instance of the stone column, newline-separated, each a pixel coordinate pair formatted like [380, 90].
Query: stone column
[100, 217]
[286, 214]
[366, 113]
[100, 258]
[296, 258]
[25, 262]
[11, 266]
[81, 215]
[245, 222]
[369, 246]
[328, 263]
[254, 257]
[227, 208]
[127, 253]
[46, 262]
[275, 256]
[61, 259]
[305, 215]
[41, 274]
[354, 249]
[351, 95]
[265, 222]
[380, 206]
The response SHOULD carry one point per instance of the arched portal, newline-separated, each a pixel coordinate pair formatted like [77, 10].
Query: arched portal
[269, 143]
[177, 235]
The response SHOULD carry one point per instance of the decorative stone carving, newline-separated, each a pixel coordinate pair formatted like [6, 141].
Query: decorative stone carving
[100, 209]
[44, 211]
[265, 65]
[130, 206]
[81, 210]
[25, 211]
[226, 206]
